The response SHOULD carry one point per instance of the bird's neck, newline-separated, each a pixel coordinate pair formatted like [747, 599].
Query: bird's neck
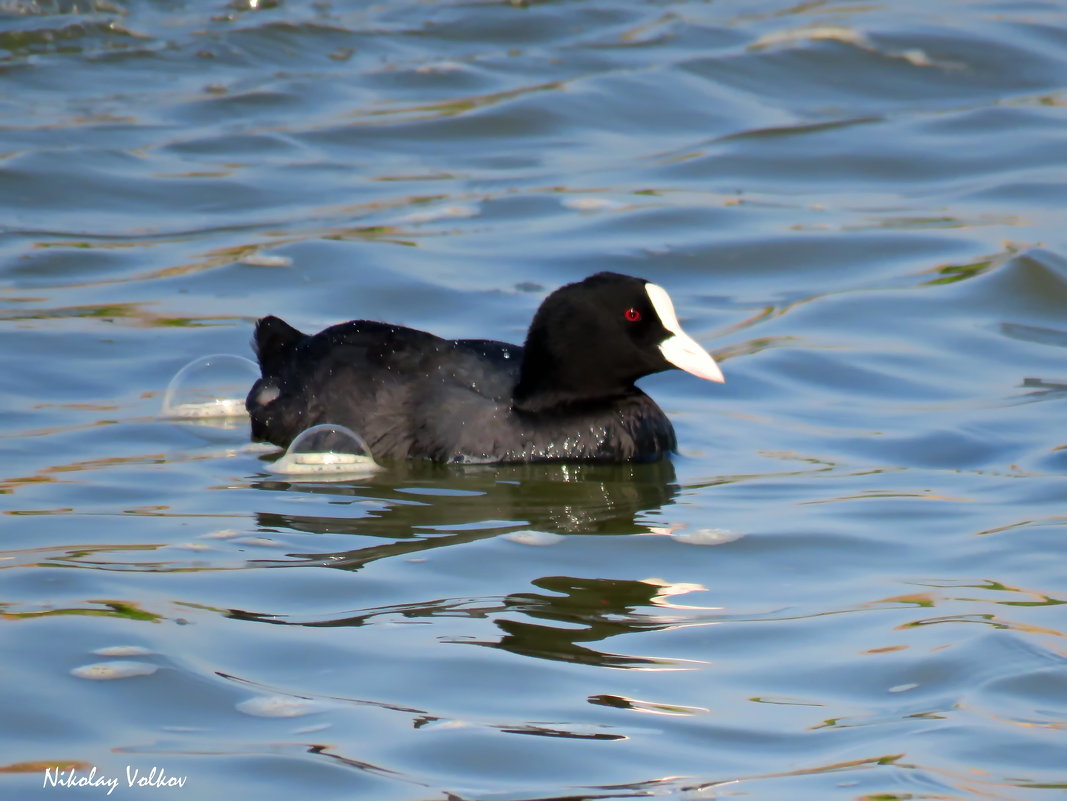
[547, 383]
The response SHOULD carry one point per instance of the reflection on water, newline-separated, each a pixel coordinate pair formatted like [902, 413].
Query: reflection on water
[447, 504]
[592, 610]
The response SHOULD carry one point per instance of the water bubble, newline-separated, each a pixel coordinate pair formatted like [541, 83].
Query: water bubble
[210, 387]
[326, 452]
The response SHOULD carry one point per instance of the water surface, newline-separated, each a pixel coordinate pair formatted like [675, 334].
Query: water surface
[846, 586]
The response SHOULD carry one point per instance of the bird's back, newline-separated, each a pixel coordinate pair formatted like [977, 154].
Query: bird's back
[399, 388]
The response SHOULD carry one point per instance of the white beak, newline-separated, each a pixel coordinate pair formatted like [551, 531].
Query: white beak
[680, 349]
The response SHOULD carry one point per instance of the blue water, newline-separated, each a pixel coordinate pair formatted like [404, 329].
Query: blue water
[848, 584]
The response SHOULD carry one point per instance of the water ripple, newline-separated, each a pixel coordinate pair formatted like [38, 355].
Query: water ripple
[857, 208]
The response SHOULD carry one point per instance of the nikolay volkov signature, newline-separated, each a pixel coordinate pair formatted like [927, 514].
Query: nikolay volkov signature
[155, 777]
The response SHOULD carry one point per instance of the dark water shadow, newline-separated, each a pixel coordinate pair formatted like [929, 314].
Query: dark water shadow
[588, 610]
[421, 507]
[412, 508]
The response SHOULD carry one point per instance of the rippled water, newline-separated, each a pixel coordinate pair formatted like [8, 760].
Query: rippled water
[849, 583]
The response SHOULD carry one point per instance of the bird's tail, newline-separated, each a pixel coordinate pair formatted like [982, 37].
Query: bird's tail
[274, 343]
[275, 416]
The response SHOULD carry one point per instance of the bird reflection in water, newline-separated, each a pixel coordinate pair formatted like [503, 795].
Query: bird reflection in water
[593, 610]
[423, 507]
[416, 508]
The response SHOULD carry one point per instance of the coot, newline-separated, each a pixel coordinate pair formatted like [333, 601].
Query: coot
[567, 395]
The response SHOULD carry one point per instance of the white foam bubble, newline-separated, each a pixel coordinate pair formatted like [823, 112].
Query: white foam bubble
[326, 452]
[210, 387]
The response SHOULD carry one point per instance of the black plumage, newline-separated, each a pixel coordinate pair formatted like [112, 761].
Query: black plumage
[567, 394]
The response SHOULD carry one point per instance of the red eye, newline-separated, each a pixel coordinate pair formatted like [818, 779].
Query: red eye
[632, 314]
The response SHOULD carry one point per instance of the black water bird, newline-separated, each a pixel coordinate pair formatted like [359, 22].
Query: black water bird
[567, 394]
